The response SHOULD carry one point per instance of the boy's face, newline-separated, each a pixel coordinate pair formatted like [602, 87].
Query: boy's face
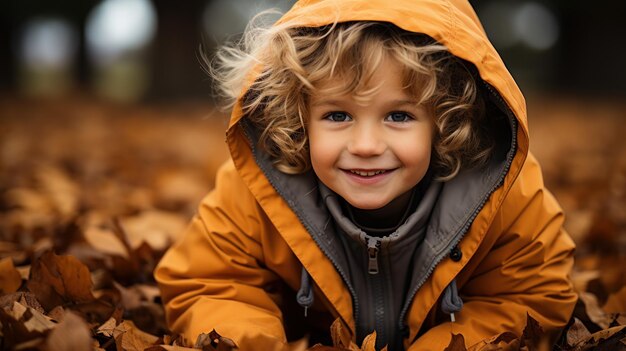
[370, 152]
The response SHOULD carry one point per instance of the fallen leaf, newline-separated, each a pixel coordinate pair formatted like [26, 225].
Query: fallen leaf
[21, 324]
[107, 327]
[605, 340]
[593, 310]
[33, 320]
[57, 314]
[156, 228]
[104, 240]
[577, 333]
[129, 338]
[341, 336]
[57, 280]
[616, 302]
[169, 348]
[506, 341]
[61, 191]
[10, 278]
[533, 335]
[214, 342]
[25, 298]
[369, 342]
[70, 335]
[457, 343]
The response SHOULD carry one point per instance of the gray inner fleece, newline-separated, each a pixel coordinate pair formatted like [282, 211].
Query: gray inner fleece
[453, 211]
[395, 255]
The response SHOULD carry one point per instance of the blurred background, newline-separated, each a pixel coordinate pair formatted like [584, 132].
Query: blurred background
[109, 135]
[147, 50]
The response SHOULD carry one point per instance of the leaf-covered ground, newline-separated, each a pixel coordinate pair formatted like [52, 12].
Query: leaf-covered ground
[91, 196]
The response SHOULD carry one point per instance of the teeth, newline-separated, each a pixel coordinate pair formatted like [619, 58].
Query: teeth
[366, 174]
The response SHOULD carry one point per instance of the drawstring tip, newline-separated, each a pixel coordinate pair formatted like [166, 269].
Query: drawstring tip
[306, 308]
[452, 319]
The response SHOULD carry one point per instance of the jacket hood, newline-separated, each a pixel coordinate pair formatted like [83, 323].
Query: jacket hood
[453, 23]
[469, 200]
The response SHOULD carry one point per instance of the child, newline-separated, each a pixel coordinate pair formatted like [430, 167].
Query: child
[380, 174]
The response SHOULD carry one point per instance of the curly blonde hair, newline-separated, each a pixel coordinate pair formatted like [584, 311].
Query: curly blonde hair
[292, 63]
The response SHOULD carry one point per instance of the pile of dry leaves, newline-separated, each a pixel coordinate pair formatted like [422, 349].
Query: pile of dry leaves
[91, 196]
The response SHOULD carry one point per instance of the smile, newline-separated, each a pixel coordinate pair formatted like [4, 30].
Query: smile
[367, 173]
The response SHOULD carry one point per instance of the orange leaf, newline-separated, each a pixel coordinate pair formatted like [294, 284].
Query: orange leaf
[157, 228]
[341, 336]
[369, 343]
[10, 278]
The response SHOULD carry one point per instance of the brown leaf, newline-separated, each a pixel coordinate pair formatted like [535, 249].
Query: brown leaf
[169, 348]
[33, 320]
[533, 335]
[320, 347]
[605, 340]
[593, 310]
[25, 298]
[96, 311]
[506, 341]
[57, 280]
[129, 338]
[214, 342]
[107, 328]
[577, 333]
[21, 324]
[10, 278]
[457, 343]
[71, 334]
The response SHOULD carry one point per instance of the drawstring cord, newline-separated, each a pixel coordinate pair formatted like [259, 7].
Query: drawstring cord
[305, 293]
[451, 302]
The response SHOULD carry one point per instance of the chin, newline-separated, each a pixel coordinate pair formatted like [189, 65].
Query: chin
[367, 205]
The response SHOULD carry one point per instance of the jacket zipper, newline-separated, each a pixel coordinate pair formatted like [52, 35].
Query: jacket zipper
[461, 233]
[379, 277]
[373, 247]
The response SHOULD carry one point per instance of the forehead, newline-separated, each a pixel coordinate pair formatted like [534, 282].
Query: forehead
[386, 75]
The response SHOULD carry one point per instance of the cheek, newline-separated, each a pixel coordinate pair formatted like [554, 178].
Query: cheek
[319, 151]
[415, 152]
[322, 152]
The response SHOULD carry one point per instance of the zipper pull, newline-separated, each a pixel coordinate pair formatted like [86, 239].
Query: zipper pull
[372, 251]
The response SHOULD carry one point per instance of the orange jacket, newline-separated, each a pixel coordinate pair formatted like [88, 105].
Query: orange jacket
[227, 270]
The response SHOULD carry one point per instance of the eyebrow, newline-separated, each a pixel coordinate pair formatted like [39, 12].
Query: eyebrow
[399, 102]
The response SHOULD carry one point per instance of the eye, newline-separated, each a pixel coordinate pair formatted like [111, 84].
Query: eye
[398, 117]
[338, 117]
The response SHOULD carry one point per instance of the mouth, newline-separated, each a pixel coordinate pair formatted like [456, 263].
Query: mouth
[368, 173]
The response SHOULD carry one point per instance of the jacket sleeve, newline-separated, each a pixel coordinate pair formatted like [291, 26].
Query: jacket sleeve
[525, 271]
[214, 275]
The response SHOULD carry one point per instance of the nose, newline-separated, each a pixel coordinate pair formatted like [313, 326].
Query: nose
[366, 140]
